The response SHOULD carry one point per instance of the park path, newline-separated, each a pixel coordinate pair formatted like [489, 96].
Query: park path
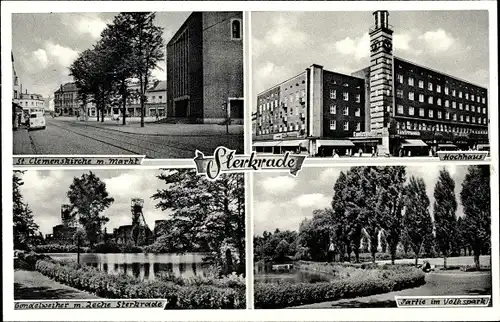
[437, 284]
[32, 285]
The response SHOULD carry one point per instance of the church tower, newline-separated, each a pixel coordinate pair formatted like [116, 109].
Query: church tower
[381, 77]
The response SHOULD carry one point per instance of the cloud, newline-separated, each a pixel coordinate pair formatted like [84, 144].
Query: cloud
[278, 185]
[438, 40]
[357, 47]
[36, 61]
[316, 200]
[329, 175]
[85, 24]
[402, 42]
[59, 54]
[284, 34]
[269, 74]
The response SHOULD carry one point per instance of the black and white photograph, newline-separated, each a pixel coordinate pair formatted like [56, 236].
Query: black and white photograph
[159, 84]
[357, 237]
[130, 234]
[370, 84]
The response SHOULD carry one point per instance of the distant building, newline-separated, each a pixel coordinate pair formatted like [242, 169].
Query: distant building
[15, 81]
[205, 68]
[66, 101]
[156, 104]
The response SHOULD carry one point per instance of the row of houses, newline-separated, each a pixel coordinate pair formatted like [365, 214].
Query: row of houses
[67, 102]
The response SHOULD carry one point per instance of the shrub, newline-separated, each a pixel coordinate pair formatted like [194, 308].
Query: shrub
[59, 248]
[88, 279]
[352, 282]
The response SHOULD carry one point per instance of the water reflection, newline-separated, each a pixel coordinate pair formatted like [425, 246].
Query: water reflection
[144, 266]
[264, 273]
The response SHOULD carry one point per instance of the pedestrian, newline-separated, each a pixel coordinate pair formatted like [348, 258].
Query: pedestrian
[373, 152]
[335, 154]
[360, 152]
[157, 117]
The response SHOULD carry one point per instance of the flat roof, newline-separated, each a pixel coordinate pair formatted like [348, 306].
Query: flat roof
[439, 72]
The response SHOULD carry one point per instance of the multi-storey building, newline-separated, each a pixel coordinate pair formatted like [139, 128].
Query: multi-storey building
[31, 101]
[157, 99]
[313, 111]
[205, 68]
[393, 106]
[66, 100]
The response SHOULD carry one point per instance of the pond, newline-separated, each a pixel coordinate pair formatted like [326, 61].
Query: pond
[263, 273]
[144, 266]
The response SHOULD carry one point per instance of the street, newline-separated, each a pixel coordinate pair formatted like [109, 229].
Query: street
[69, 136]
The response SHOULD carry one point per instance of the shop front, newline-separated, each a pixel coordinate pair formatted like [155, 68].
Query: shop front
[329, 148]
[280, 147]
[366, 143]
[406, 143]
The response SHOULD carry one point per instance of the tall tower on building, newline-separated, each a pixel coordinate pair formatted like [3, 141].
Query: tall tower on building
[381, 77]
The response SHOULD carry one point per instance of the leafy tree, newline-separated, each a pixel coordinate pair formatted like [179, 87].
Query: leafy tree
[24, 225]
[476, 200]
[340, 225]
[315, 234]
[389, 204]
[148, 48]
[283, 249]
[88, 198]
[205, 215]
[417, 220]
[383, 242]
[445, 207]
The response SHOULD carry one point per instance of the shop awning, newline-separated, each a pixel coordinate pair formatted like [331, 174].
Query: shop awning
[483, 146]
[345, 143]
[413, 143]
[293, 143]
[266, 143]
[447, 145]
[366, 141]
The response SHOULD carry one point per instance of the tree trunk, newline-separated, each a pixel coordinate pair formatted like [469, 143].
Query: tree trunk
[78, 250]
[444, 261]
[416, 259]
[373, 245]
[356, 254]
[124, 103]
[476, 260]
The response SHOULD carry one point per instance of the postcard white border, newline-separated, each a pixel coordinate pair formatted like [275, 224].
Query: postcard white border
[389, 314]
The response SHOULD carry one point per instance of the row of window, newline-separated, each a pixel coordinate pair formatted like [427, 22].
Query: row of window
[419, 126]
[30, 103]
[282, 128]
[448, 115]
[430, 100]
[345, 96]
[333, 125]
[430, 87]
[271, 105]
[345, 110]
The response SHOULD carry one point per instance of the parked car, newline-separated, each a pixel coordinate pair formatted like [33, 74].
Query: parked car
[37, 121]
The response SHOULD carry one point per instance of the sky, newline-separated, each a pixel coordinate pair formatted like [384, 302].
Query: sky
[45, 192]
[282, 201]
[45, 44]
[284, 44]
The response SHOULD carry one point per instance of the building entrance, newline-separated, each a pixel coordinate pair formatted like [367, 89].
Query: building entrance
[181, 108]
[236, 108]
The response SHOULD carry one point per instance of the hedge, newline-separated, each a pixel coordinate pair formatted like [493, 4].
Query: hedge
[59, 248]
[365, 282]
[89, 279]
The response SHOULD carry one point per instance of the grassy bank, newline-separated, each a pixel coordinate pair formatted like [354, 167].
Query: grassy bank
[347, 282]
[192, 293]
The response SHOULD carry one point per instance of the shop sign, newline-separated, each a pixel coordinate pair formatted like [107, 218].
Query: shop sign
[281, 136]
[368, 134]
[409, 133]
